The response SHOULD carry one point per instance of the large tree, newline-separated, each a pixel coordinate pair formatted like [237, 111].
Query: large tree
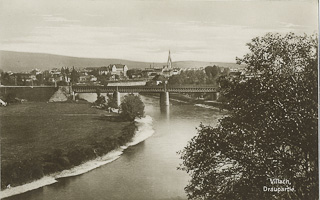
[132, 107]
[271, 131]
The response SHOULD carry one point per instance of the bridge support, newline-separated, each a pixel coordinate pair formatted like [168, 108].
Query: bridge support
[73, 96]
[218, 95]
[164, 99]
[116, 97]
[215, 96]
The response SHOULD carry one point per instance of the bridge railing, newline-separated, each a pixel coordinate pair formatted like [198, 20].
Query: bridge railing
[141, 89]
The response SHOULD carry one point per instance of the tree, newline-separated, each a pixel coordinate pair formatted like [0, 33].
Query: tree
[63, 73]
[112, 103]
[212, 73]
[132, 107]
[100, 99]
[6, 79]
[19, 80]
[74, 76]
[271, 131]
[175, 80]
[132, 72]
[67, 72]
[193, 77]
[40, 78]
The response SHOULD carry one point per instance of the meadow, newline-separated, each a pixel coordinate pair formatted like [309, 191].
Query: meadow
[39, 138]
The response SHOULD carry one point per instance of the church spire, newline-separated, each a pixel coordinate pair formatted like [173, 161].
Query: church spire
[169, 63]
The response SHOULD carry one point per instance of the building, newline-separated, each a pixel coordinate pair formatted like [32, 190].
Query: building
[167, 70]
[87, 78]
[169, 62]
[103, 70]
[118, 69]
[114, 69]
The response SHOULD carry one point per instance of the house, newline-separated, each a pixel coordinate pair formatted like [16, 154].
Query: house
[35, 72]
[176, 71]
[118, 69]
[87, 78]
[104, 70]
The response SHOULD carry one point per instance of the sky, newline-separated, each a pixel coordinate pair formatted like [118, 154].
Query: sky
[145, 30]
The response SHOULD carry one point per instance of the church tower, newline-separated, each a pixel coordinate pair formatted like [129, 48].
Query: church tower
[169, 63]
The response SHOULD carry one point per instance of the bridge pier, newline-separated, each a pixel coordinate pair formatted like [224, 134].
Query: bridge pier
[164, 99]
[215, 96]
[116, 97]
[73, 96]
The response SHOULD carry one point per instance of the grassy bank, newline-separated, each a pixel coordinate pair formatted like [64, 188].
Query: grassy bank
[41, 138]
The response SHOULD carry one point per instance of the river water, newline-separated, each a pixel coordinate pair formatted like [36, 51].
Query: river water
[147, 170]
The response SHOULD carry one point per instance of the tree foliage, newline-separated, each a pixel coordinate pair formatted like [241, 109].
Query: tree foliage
[209, 75]
[212, 71]
[132, 72]
[74, 76]
[192, 77]
[101, 100]
[112, 103]
[271, 131]
[132, 107]
[156, 79]
[6, 79]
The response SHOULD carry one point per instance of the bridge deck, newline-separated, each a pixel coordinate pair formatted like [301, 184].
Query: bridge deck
[142, 89]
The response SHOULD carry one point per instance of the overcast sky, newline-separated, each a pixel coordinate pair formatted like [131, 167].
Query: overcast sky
[146, 30]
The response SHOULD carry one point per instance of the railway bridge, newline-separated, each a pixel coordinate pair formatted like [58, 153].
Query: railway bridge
[163, 90]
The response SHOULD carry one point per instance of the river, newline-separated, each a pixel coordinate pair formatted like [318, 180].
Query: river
[147, 170]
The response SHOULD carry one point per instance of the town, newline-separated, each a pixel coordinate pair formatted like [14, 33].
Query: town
[110, 75]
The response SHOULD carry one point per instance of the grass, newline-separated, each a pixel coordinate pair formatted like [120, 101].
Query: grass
[50, 137]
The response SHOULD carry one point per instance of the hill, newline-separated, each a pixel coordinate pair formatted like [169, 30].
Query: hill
[23, 61]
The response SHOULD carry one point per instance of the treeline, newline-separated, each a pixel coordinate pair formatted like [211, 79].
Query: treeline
[209, 75]
[24, 171]
[42, 78]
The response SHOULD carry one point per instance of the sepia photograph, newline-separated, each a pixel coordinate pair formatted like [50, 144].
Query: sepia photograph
[159, 99]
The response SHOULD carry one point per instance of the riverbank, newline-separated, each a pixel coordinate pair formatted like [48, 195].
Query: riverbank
[39, 139]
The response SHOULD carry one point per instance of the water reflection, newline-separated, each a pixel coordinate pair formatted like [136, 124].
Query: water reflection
[165, 112]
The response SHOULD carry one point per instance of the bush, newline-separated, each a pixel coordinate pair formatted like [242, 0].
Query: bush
[132, 107]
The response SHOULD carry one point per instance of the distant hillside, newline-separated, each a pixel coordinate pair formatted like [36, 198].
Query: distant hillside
[197, 64]
[21, 61]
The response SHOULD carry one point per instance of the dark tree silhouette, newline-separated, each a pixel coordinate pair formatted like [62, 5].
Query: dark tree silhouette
[74, 76]
[271, 131]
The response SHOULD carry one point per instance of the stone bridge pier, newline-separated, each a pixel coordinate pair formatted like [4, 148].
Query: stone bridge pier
[164, 99]
[116, 98]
